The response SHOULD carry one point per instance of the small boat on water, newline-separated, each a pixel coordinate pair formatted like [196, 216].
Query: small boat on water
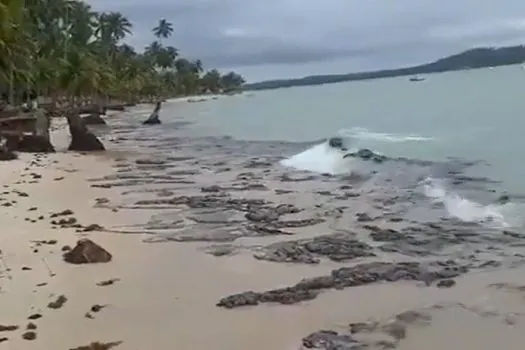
[416, 78]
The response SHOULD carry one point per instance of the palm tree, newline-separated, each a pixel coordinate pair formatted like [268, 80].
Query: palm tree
[163, 30]
[15, 45]
[197, 66]
[153, 50]
[64, 50]
[211, 81]
[112, 27]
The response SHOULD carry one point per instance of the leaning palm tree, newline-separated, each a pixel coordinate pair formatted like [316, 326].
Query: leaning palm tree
[163, 30]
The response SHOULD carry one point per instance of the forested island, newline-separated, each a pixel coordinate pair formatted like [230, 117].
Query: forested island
[64, 49]
[470, 59]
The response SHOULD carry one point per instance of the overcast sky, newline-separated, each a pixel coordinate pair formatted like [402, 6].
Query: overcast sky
[269, 39]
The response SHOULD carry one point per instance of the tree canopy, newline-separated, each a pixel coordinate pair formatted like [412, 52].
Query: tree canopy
[63, 48]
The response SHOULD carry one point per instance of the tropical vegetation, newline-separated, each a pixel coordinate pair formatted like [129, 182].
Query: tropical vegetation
[63, 49]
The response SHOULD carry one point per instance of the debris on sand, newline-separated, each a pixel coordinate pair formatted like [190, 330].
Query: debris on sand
[29, 335]
[58, 303]
[8, 328]
[107, 282]
[98, 346]
[62, 213]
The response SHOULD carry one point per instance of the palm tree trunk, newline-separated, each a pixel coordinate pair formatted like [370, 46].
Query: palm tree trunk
[11, 97]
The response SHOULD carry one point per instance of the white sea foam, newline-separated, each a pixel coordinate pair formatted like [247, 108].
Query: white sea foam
[364, 134]
[320, 158]
[467, 210]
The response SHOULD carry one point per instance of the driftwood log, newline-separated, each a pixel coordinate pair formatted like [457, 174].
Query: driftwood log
[154, 116]
[81, 138]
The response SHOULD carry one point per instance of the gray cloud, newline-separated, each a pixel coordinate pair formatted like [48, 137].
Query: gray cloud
[384, 33]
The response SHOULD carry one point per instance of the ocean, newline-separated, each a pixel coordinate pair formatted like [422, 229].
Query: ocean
[454, 138]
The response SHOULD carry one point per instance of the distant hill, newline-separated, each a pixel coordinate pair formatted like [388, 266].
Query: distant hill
[470, 59]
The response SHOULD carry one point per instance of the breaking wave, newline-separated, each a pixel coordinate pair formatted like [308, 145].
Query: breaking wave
[364, 134]
[322, 158]
[431, 178]
[464, 209]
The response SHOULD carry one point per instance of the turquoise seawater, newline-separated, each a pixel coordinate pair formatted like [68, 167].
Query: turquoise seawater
[474, 114]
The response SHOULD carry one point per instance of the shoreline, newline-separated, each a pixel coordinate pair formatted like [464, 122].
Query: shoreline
[166, 293]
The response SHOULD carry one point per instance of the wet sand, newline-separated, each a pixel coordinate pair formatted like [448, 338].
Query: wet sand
[185, 233]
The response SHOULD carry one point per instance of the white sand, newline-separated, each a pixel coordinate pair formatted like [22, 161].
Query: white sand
[166, 295]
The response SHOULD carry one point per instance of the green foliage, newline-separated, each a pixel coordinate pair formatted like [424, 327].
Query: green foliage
[62, 48]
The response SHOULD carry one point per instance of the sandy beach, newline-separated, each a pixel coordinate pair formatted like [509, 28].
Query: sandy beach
[172, 283]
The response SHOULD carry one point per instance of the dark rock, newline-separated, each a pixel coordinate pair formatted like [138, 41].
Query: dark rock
[331, 340]
[358, 275]
[446, 283]
[336, 142]
[265, 215]
[363, 217]
[298, 223]
[87, 252]
[223, 250]
[150, 162]
[267, 230]
[256, 163]
[62, 213]
[503, 199]
[366, 154]
[296, 178]
[64, 223]
[334, 247]
[384, 334]
[430, 238]
[92, 227]
[212, 188]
